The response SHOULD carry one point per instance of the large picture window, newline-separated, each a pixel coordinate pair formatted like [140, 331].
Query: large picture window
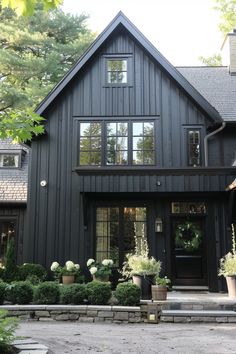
[111, 143]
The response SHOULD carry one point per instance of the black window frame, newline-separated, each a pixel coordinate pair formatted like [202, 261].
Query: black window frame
[129, 60]
[187, 129]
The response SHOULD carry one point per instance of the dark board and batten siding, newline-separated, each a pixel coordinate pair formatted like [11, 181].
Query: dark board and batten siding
[55, 212]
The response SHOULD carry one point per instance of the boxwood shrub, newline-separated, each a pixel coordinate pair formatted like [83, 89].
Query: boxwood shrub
[73, 294]
[127, 294]
[29, 270]
[98, 292]
[47, 293]
[2, 292]
[20, 292]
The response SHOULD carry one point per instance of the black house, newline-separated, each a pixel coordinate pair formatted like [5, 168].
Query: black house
[134, 147]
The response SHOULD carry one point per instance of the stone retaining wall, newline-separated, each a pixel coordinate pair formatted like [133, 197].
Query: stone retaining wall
[80, 313]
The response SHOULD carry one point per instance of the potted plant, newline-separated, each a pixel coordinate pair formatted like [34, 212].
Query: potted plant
[228, 267]
[159, 290]
[142, 268]
[67, 273]
[100, 270]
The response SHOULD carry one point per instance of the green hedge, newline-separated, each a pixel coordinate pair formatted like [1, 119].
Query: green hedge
[99, 293]
[47, 293]
[73, 294]
[20, 292]
[128, 294]
[30, 271]
[2, 292]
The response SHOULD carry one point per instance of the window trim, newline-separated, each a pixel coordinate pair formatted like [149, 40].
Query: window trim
[188, 128]
[130, 66]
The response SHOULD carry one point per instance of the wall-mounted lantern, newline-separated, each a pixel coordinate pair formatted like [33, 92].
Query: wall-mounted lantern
[158, 225]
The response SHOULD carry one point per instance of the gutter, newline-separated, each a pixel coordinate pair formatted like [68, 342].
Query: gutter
[207, 137]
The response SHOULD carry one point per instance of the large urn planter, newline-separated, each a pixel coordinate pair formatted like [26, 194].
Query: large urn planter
[159, 292]
[144, 282]
[68, 279]
[231, 284]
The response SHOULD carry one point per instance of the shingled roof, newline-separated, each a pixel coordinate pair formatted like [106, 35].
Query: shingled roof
[216, 85]
[13, 182]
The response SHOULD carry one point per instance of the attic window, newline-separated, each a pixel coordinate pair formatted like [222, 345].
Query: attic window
[117, 71]
[9, 160]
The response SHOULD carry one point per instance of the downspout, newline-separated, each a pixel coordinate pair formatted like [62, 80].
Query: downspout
[208, 136]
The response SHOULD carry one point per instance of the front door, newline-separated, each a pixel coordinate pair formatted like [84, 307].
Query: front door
[188, 251]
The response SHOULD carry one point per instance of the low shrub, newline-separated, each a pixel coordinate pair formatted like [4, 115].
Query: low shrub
[127, 294]
[2, 292]
[47, 293]
[20, 292]
[7, 332]
[28, 270]
[73, 294]
[98, 292]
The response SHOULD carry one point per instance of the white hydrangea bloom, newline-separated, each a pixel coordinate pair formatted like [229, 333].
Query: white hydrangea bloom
[77, 266]
[90, 261]
[93, 270]
[54, 266]
[107, 262]
[110, 262]
[70, 265]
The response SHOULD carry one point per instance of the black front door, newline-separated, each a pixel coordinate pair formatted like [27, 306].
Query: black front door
[188, 251]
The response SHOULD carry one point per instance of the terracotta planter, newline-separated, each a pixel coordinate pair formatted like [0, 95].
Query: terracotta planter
[68, 279]
[159, 292]
[144, 283]
[231, 284]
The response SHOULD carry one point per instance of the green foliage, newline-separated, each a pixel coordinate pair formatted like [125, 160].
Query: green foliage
[35, 52]
[10, 262]
[98, 292]
[228, 262]
[227, 10]
[27, 270]
[7, 332]
[20, 292]
[128, 294]
[47, 293]
[73, 294]
[215, 60]
[27, 7]
[2, 292]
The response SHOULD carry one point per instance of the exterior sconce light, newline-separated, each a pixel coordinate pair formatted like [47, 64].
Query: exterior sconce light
[158, 225]
[43, 183]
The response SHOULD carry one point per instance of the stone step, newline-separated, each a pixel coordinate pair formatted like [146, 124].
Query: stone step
[185, 316]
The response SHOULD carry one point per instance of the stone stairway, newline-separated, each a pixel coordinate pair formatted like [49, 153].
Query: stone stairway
[198, 307]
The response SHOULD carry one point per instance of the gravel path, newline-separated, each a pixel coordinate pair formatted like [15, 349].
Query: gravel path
[74, 337]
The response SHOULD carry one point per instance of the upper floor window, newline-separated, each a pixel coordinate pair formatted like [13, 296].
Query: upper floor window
[9, 160]
[117, 71]
[117, 143]
[143, 143]
[90, 143]
[193, 143]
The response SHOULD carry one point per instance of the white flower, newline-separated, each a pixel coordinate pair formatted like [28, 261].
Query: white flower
[77, 266]
[93, 270]
[107, 262]
[90, 261]
[70, 265]
[54, 266]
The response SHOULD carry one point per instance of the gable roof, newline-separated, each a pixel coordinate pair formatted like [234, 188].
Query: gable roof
[216, 85]
[122, 20]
